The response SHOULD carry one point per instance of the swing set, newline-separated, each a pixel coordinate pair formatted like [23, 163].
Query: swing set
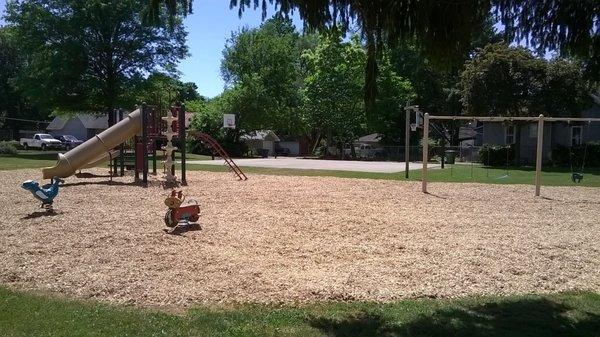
[576, 175]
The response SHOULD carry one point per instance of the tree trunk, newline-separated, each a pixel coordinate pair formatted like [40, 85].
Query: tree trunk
[110, 100]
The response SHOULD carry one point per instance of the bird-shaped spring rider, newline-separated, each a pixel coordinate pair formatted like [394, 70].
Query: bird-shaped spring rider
[181, 218]
[46, 193]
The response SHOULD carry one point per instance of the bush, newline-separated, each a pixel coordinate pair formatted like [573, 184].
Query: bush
[496, 155]
[7, 148]
[565, 156]
[15, 143]
[194, 146]
[234, 149]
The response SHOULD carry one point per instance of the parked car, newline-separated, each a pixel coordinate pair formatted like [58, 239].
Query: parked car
[69, 142]
[282, 151]
[366, 151]
[42, 141]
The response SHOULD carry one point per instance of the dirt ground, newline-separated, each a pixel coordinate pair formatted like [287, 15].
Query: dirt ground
[282, 239]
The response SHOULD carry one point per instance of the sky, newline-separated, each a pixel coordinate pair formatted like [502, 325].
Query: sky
[209, 27]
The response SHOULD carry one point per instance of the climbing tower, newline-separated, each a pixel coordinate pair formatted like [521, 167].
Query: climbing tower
[170, 132]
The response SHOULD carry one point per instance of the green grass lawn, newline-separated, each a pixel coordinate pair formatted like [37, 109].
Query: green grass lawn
[567, 314]
[27, 159]
[38, 159]
[452, 173]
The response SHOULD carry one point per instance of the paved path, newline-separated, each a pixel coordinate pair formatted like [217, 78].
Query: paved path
[318, 164]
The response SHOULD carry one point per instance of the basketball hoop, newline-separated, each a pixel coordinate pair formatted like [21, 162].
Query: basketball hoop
[413, 127]
[229, 121]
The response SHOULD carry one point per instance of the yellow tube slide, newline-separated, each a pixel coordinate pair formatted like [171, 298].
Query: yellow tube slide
[94, 148]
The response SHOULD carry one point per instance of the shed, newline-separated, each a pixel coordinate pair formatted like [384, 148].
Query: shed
[261, 139]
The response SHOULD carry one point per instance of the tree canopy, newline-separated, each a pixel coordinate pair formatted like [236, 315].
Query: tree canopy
[261, 67]
[332, 93]
[12, 103]
[442, 30]
[163, 90]
[82, 54]
[510, 81]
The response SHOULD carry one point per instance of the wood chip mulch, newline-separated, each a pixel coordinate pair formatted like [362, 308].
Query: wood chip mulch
[284, 239]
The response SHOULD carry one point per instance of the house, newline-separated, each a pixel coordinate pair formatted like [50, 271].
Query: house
[283, 146]
[82, 126]
[555, 134]
[372, 139]
[262, 139]
[189, 116]
[86, 126]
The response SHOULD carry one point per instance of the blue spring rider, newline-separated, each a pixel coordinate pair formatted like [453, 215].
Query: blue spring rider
[46, 193]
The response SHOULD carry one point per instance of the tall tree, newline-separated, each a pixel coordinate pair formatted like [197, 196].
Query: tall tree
[262, 68]
[510, 81]
[441, 29]
[13, 105]
[570, 27]
[81, 54]
[162, 90]
[333, 100]
[10, 62]
[387, 119]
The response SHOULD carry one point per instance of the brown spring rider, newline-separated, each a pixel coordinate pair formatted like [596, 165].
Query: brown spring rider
[181, 218]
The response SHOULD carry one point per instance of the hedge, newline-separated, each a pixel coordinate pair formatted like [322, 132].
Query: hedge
[496, 155]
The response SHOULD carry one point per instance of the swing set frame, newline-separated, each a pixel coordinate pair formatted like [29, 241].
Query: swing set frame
[540, 138]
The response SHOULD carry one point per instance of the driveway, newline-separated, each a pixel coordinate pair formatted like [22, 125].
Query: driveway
[318, 164]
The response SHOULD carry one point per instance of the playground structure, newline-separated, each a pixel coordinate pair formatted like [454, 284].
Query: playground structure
[541, 119]
[146, 128]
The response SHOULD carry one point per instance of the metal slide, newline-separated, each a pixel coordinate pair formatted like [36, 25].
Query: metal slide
[95, 149]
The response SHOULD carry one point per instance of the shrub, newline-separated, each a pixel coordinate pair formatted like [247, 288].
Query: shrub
[7, 148]
[565, 156]
[15, 143]
[194, 146]
[496, 155]
[234, 149]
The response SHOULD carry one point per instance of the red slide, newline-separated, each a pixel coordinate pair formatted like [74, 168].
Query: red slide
[220, 152]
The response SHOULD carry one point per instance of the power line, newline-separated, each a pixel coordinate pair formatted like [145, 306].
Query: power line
[24, 120]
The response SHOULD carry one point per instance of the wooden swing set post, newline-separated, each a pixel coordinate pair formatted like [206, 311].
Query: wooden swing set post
[425, 152]
[406, 140]
[538, 154]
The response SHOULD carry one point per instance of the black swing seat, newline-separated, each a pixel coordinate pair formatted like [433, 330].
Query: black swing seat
[577, 177]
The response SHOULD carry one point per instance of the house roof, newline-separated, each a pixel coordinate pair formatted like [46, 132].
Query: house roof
[261, 135]
[188, 119]
[94, 122]
[373, 138]
[466, 132]
[88, 121]
[56, 124]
